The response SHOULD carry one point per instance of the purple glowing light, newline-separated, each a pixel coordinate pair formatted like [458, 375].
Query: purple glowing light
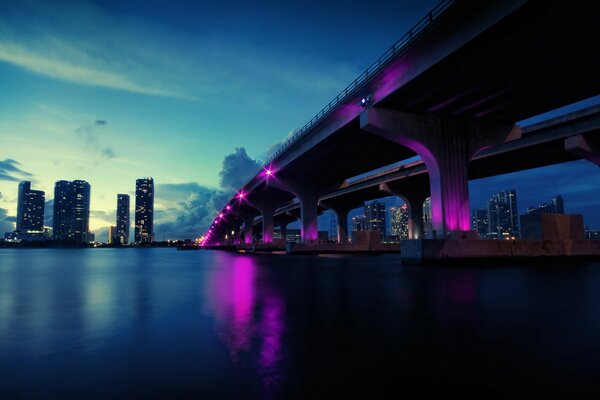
[228, 207]
[241, 195]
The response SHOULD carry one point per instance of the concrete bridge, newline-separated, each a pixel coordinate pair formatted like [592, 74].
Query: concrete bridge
[450, 91]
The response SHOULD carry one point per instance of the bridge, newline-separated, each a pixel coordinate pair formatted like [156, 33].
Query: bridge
[450, 91]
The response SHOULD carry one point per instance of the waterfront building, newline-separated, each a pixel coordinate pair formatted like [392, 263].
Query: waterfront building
[480, 222]
[72, 211]
[399, 221]
[122, 227]
[374, 213]
[112, 235]
[359, 223]
[30, 209]
[427, 223]
[144, 210]
[333, 225]
[503, 215]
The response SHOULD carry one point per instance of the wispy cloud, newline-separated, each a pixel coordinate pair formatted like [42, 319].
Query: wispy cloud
[89, 132]
[10, 171]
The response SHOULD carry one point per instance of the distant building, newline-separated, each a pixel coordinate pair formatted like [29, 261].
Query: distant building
[112, 235]
[144, 210]
[333, 225]
[122, 228]
[359, 223]
[72, 211]
[427, 220]
[480, 222]
[375, 217]
[592, 234]
[552, 226]
[399, 222]
[555, 206]
[30, 209]
[503, 215]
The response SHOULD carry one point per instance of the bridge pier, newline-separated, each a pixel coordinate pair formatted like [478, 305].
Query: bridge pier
[446, 145]
[309, 214]
[248, 218]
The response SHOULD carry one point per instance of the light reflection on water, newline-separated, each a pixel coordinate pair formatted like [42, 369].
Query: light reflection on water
[123, 323]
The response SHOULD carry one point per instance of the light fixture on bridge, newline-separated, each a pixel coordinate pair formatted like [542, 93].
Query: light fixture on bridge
[241, 195]
[365, 101]
[228, 207]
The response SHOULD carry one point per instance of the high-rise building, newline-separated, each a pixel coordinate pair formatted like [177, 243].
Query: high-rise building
[480, 222]
[503, 215]
[333, 226]
[559, 204]
[112, 235]
[144, 210]
[30, 209]
[359, 223]
[427, 219]
[72, 211]
[375, 217]
[399, 221]
[122, 228]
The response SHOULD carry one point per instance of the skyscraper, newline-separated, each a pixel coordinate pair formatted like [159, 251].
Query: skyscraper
[333, 226]
[399, 221]
[30, 209]
[375, 217]
[503, 215]
[144, 210]
[480, 222]
[72, 211]
[122, 229]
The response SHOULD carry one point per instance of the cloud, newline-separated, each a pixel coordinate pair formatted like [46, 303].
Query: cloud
[90, 134]
[9, 171]
[194, 206]
[276, 146]
[237, 169]
[6, 222]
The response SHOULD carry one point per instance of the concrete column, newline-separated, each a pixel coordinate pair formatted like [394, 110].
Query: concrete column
[248, 229]
[309, 199]
[446, 145]
[267, 210]
[342, 224]
[584, 147]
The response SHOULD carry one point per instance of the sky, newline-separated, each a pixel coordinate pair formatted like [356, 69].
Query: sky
[194, 94]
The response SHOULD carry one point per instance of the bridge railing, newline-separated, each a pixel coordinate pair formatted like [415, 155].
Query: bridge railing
[399, 47]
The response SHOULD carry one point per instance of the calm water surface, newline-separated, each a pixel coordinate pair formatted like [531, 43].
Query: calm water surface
[125, 323]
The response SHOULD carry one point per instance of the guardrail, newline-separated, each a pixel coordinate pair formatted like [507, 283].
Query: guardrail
[373, 69]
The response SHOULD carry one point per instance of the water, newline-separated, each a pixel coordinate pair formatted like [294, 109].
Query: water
[124, 323]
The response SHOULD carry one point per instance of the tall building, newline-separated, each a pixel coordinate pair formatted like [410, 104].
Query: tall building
[399, 221]
[427, 219]
[480, 222]
[503, 215]
[333, 226]
[122, 228]
[359, 223]
[30, 209]
[72, 211]
[112, 235]
[144, 210]
[375, 217]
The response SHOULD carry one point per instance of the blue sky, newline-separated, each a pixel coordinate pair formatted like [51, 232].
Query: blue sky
[116, 90]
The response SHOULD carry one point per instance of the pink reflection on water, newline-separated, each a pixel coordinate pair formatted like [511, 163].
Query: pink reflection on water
[249, 316]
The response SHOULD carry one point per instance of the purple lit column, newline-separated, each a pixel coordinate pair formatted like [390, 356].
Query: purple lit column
[267, 222]
[446, 145]
[309, 214]
[248, 220]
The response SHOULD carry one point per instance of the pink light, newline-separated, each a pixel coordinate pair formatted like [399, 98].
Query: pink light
[228, 207]
[220, 215]
[241, 195]
[268, 172]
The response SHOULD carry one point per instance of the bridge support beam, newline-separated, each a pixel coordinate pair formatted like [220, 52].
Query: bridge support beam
[309, 214]
[584, 148]
[446, 145]
[266, 209]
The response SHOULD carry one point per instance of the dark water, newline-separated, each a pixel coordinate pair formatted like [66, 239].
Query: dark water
[125, 323]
